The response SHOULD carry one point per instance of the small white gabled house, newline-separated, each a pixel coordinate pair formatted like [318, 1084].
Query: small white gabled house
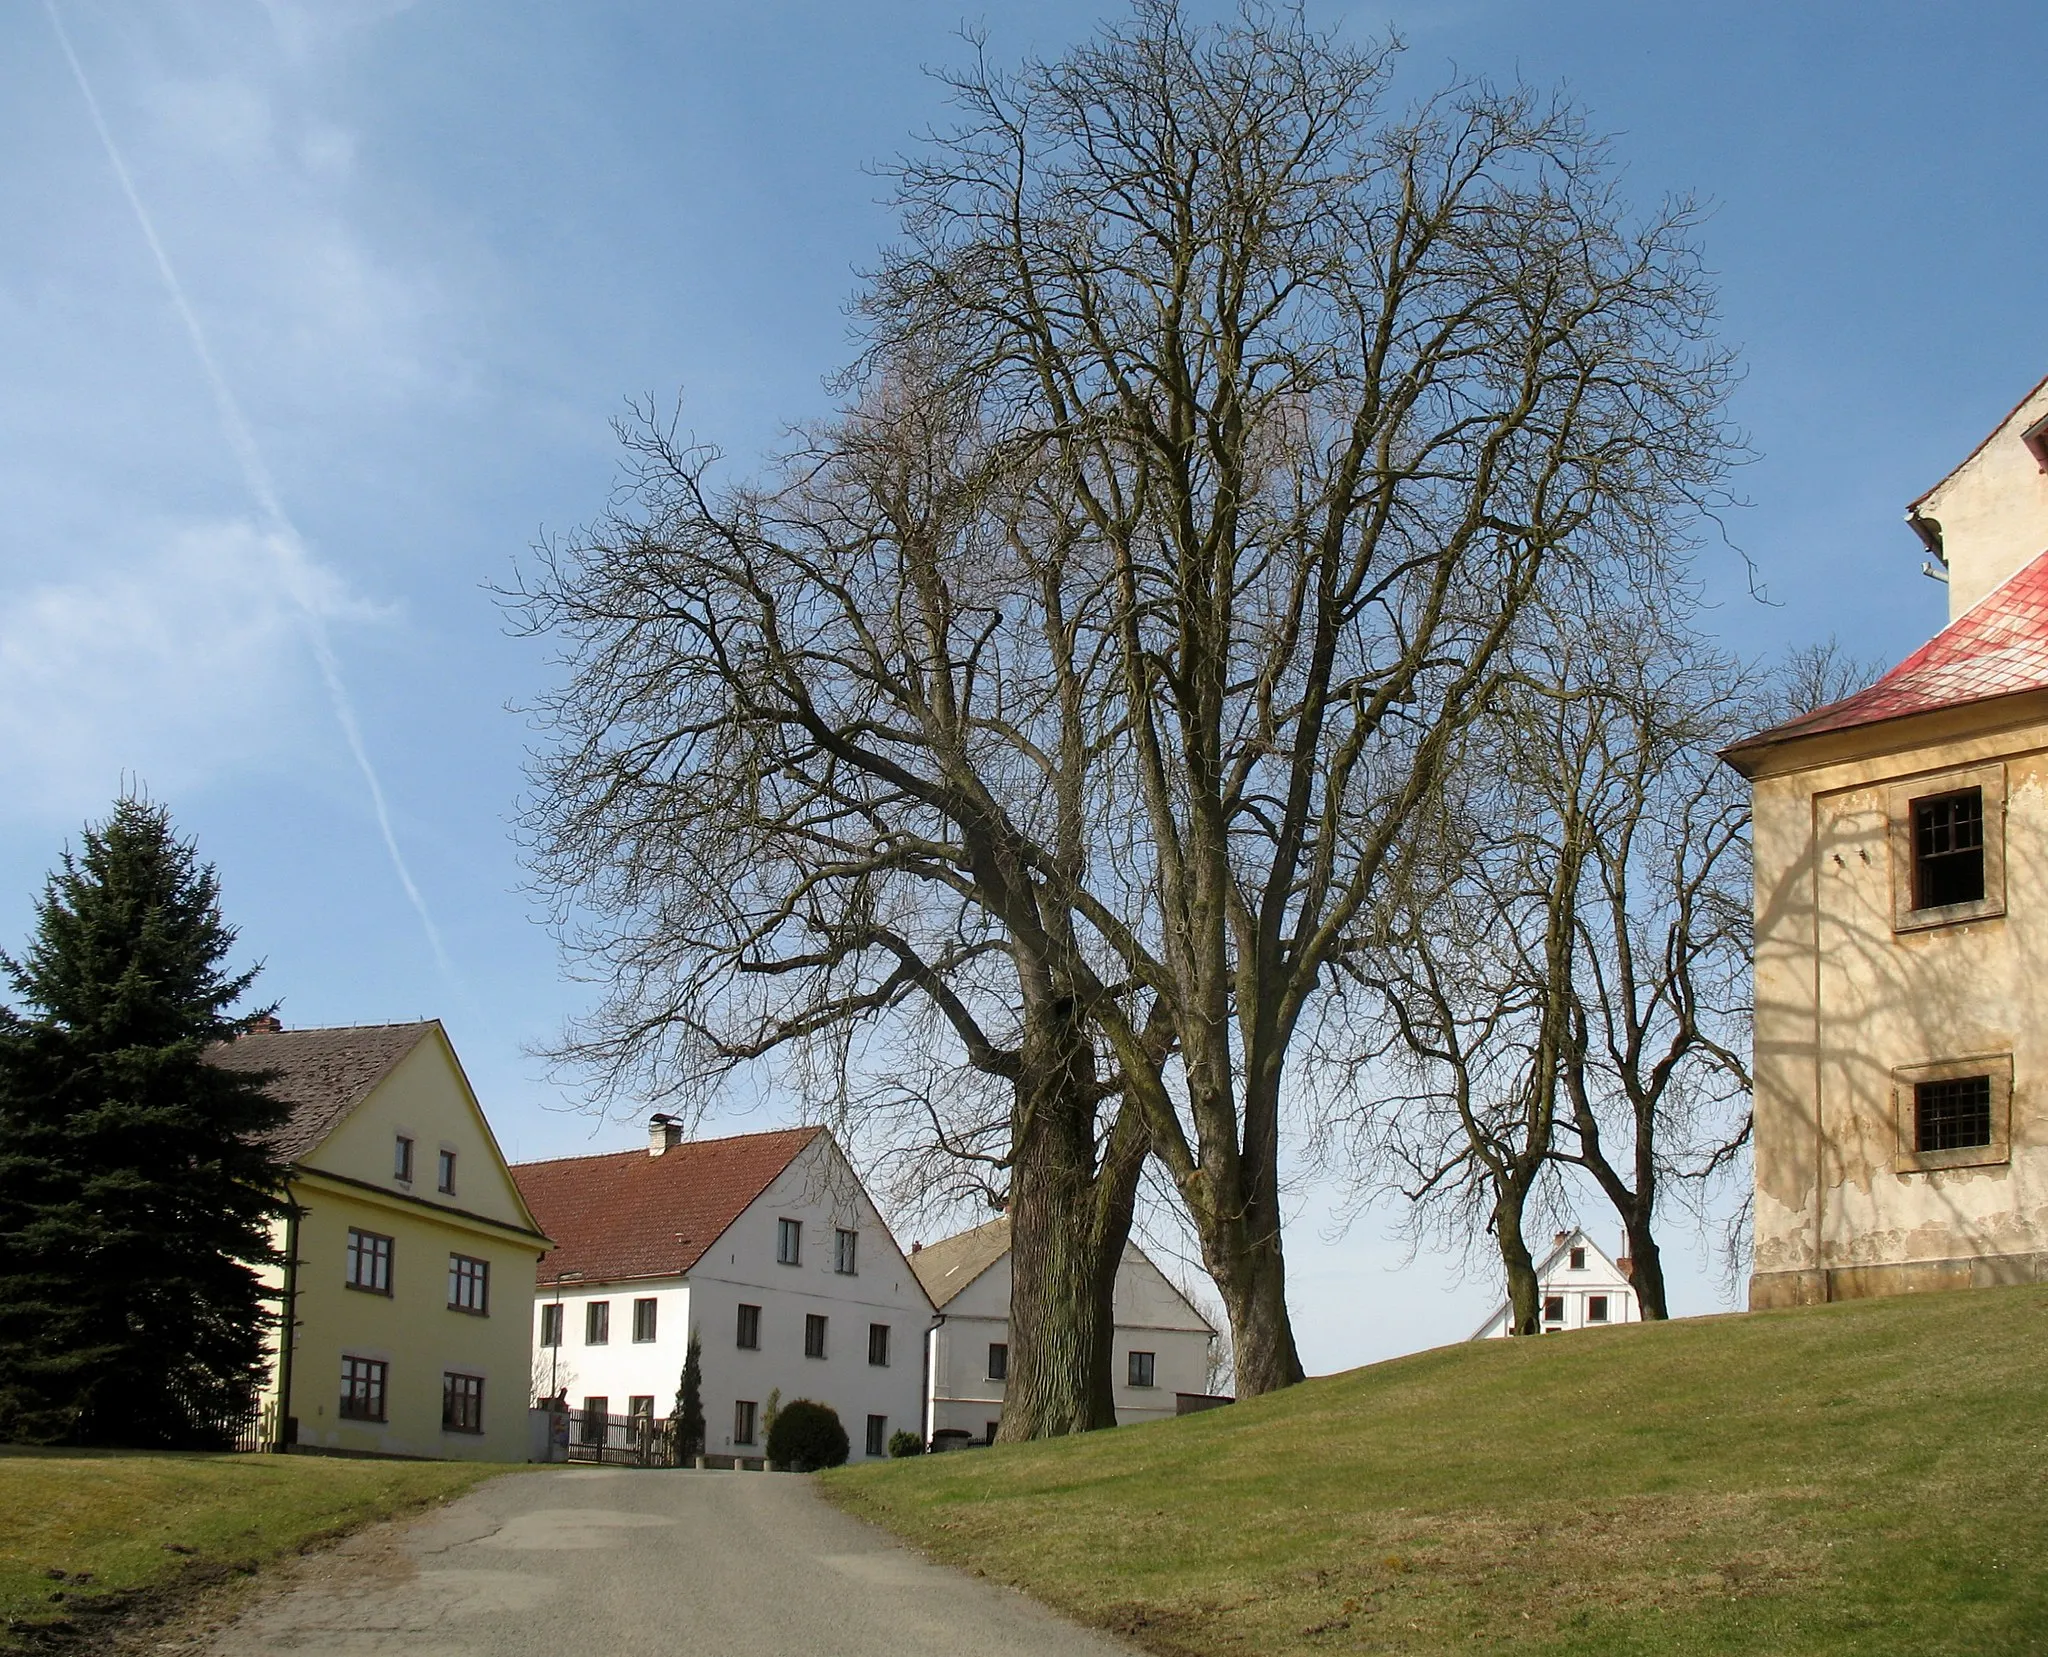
[1581, 1289]
[764, 1243]
[1161, 1353]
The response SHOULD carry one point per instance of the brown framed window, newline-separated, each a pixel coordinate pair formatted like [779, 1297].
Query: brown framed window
[597, 1323]
[744, 1414]
[368, 1260]
[1956, 1113]
[1596, 1308]
[644, 1313]
[1553, 1309]
[1948, 848]
[401, 1159]
[814, 1335]
[363, 1386]
[1142, 1368]
[469, 1285]
[998, 1360]
[446, 1181]
[462, 1403]
[878, 1345]
[749, 1335]
[1578, 1260]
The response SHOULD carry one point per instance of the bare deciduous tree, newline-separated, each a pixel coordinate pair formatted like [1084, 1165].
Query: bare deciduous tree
[1325, 390]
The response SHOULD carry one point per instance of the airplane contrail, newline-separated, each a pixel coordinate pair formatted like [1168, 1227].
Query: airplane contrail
[287, 544]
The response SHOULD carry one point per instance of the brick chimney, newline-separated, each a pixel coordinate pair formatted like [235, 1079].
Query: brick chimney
[263, 1024]
[664, 1133]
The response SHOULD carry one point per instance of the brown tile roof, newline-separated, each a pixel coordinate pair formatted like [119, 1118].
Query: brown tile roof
[948, 1266]
[321, 1074]
[1998, 647]
[628, 1214]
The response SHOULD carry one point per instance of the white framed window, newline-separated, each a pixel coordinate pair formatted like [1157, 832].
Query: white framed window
[789, 1242]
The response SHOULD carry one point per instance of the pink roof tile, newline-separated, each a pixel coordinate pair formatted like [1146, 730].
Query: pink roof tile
[1997, 648]
[628, 1214]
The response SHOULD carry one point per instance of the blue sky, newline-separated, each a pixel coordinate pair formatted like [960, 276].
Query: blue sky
[434, 247]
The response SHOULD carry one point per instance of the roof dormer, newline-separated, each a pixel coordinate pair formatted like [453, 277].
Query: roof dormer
[1989, 517]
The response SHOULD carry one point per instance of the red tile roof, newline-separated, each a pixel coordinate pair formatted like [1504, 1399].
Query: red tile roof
[1999, 647]
[321, 1074]
[628, 1214]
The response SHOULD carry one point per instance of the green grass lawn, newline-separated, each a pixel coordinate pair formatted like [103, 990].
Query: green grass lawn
[115, 1524]
[1866, 1477]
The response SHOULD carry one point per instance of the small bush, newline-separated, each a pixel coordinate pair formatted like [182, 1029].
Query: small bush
[903, 1442]
[807, 1436]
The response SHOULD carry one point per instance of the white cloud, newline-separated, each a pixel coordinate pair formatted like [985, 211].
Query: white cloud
[187, 661]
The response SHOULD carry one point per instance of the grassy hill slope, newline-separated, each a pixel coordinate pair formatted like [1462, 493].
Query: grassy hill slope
[1866, 1477]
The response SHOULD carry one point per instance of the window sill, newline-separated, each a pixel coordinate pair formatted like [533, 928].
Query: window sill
[470, 1311]
[1963, 1156]
[466, 1432]
[365, 1289]
[366, 1420]
[1949, 914]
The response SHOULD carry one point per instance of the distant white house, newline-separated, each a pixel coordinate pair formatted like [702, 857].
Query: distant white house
[764, 1243]
[1161, 1352]
[1581, 1288]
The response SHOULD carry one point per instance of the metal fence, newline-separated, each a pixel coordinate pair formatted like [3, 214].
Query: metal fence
[623, 1440]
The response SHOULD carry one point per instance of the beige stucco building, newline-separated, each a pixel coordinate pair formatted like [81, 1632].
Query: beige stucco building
[1901, 841]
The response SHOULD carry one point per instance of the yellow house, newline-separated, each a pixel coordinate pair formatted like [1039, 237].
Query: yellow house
[409, 1283]
[1901, 849]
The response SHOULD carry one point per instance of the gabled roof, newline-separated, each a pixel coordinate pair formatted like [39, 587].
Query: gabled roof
[321, 1075]
[1999, 647]
[628, 1214]
[948, 1266]
[1983, 443]
[1576, 1237]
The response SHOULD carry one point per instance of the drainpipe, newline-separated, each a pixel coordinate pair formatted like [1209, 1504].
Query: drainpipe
[926, 1410]
[287, 1423]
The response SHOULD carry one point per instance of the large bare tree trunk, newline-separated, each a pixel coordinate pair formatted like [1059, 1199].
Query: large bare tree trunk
[1525, 1298]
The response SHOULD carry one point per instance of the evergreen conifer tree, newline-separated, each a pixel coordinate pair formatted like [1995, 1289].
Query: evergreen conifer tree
[137, 1183]
[689, 1411]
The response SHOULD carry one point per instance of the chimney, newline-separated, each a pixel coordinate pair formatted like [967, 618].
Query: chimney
[1560, 1237]
[1625, 1266]
[664, 1133]
[263, 1024]
[917, 1248]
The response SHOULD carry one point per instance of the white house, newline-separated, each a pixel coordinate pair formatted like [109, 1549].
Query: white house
[1162, 1342]
[766, 1245]
[1581, 1288]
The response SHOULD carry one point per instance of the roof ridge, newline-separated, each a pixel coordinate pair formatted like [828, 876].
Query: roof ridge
[2034, 391]
[684, 1145]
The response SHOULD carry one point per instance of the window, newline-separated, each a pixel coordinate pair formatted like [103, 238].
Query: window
[878, 1345]
[844, 1244]
[1553, 1309]
[998, 1361]
[878, 1435]
[1948, 848]
[643, 1319]
[640, 1407]
[743, 1412]
[1952, 1115]
[988, 1435]
[1578, 1260]
[789, 1242]
[551, 1326]
[369, 1263]
[469, 1285]
[814, 1335]
[462, 1403]
[1955, 1114]
[1141, 1369]
[750, 1329]
[401, 1160]
[1596, 1308]
[447, 1179]
[597, 1323]
[362, 1388]
[596, 1415]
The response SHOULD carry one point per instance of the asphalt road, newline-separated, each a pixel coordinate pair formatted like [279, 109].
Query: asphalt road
[617, 1563]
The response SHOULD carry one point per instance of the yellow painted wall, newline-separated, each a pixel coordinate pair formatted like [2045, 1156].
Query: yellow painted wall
[413, 1329]
[1842, 1000]
[1993, 509]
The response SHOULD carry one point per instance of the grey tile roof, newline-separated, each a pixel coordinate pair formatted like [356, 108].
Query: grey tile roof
[947, 1267]
[321, 1074]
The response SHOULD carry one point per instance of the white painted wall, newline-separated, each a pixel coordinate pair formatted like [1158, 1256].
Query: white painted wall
[1151, 1316]
[1577, 1286]
[822, 1192]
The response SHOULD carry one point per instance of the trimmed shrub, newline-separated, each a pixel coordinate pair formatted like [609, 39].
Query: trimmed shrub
[903, 1442]
[807, 1436]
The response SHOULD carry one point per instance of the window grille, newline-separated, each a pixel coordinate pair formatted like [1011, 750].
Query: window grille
[1952, 1115]
[369, 1262]
[469, 1285]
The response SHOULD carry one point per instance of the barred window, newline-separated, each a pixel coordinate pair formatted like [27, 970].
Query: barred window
[462, 1403]
[369, 1262]
[362, 1388]
[469, 1285]
[1952, 1115]
[1948, 849]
